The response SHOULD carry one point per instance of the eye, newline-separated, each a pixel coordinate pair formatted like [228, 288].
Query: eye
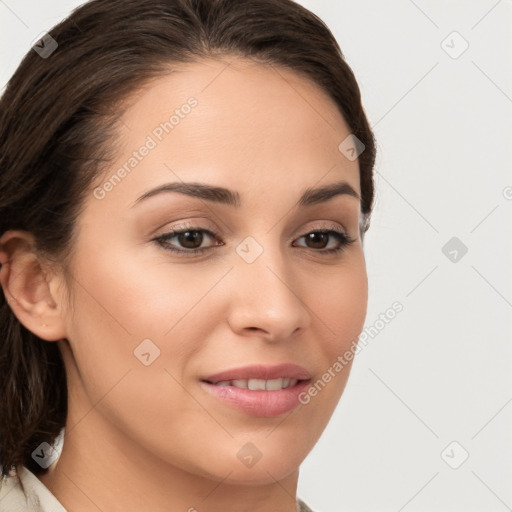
[322, 238]
[190, 240]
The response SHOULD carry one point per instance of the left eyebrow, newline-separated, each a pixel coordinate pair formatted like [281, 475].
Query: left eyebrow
[310, 196]
[313, 196]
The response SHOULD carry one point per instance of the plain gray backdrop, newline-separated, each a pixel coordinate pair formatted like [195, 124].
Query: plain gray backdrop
[424, 423]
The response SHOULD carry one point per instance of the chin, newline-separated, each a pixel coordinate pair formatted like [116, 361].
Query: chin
[258, 475]
[275, 465]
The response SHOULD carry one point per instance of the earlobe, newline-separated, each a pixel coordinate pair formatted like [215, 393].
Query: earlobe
[26, 286]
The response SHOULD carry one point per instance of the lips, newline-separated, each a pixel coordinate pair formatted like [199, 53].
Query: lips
[259, 390]
[260, 372]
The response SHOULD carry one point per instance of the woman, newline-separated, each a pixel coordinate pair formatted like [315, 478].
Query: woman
[184, 190]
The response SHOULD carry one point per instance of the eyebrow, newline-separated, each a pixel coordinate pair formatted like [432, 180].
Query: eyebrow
[221, 195]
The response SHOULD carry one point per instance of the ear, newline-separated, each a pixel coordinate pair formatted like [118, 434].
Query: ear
[30, 289]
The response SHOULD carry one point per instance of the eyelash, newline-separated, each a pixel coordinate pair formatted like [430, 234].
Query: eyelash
[343, 239]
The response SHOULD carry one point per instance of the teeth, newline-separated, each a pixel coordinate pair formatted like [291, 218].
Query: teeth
[260, 384]
[274, 384]
[256, 384]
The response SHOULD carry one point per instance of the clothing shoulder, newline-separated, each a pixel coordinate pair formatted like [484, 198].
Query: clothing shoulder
[22, 491]
[303, 506]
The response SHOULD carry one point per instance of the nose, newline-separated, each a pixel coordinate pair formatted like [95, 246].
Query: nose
[266, 300]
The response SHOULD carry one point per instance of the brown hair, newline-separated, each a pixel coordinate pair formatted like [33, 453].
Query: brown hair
[57, 120]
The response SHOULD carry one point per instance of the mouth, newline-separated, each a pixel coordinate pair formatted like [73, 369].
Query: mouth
[259, 390]
[258, 384]
[256, 373]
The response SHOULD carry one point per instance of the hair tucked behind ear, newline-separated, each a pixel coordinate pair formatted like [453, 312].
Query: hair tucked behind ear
[58, 117]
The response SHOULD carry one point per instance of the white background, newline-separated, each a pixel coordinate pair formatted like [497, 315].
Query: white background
[441, 370]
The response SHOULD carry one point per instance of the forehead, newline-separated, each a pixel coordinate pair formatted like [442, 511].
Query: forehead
[236, 80]
[234, 121]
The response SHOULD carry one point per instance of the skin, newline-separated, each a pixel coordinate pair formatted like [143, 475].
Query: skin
[148, 437]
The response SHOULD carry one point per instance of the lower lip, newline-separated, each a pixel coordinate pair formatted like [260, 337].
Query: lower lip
[259, 402]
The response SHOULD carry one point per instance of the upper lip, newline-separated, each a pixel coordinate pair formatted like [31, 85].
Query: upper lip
[260, 371]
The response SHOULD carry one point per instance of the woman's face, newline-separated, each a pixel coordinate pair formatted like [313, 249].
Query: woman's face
[149, 325]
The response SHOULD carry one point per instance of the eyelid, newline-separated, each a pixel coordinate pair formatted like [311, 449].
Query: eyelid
[193, 224]
[335, 226]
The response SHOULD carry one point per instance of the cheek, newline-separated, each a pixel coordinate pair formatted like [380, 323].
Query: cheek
[116, 307]
[340, 303]
[120, 304]
[138, 296]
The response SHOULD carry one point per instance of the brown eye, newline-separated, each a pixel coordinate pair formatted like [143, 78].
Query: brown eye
[190, 239]
[187, 241]
[319, 240]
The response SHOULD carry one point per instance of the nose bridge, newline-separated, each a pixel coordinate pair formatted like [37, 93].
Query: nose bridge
[265, 296]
